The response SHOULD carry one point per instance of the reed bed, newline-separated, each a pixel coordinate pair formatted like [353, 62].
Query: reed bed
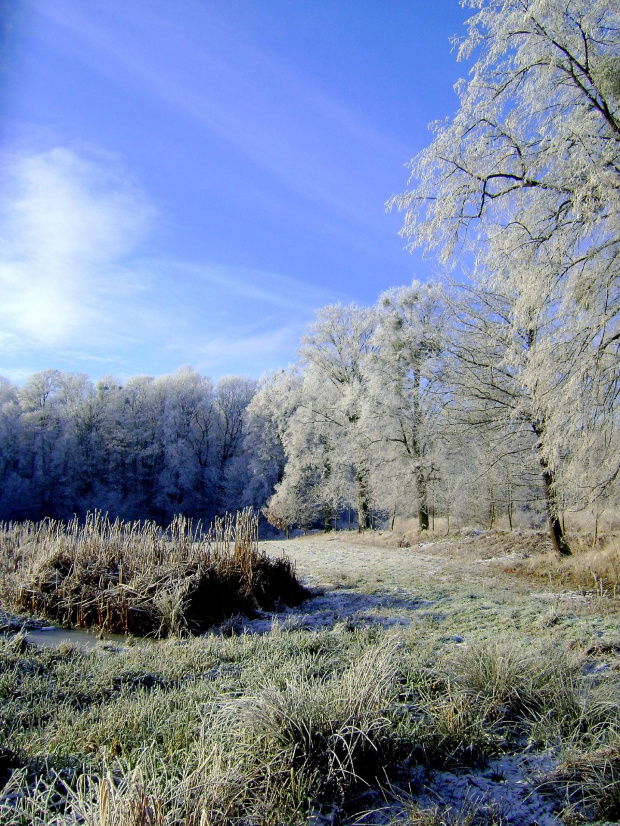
[136, 578]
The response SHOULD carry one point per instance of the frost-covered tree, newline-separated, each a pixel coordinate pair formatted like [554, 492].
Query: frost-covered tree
[526, 180]
[404, 385]
[316, 463]
[11, 482]
[295, 500]
[233, 394]
[267, 422]
[489, 356]
[188, 421]
[333, 352]
[42, 443]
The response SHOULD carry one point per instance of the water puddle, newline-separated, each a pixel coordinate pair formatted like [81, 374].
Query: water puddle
[44, 634]
[50, 636]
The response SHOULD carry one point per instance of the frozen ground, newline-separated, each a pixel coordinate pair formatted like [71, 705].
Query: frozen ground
[450, 592]
[455, 590]
[454, 587]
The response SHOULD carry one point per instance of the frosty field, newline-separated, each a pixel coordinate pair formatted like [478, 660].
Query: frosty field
[426, 685]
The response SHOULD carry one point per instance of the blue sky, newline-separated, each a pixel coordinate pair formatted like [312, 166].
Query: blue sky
[186, 183]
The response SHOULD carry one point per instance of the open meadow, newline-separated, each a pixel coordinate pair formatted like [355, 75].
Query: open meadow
[460, 680]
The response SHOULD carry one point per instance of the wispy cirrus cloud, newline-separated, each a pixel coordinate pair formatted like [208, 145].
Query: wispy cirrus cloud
[228, 87]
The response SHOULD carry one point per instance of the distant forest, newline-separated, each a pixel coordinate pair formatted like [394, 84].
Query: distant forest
[145, 449]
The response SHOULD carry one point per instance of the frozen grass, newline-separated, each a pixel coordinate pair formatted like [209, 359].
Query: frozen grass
[219, 729]
[443, 719]
[135, 578]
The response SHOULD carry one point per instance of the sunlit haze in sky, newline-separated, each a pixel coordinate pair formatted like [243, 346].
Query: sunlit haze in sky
[187, 182]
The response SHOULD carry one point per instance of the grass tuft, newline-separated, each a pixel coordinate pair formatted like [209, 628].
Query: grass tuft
[328, 733]
[589, 783]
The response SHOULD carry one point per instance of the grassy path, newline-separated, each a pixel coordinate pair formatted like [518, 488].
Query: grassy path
[459, 586]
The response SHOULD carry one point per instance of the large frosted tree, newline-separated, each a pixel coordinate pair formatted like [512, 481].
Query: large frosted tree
[322, 433]
[487, 356]
[525, 183]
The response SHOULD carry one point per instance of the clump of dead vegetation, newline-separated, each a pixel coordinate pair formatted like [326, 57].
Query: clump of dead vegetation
[593, 566]
[135, 578]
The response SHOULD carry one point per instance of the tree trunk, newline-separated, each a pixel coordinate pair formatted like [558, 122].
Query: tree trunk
[510, 503]
[363, 504]
[422, 500]
[491, 496]
[558, 540]
[556, 530]
[595, 540]
[328, 518]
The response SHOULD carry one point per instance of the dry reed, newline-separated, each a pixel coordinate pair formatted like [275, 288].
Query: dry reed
[134, 577]
[593, 566]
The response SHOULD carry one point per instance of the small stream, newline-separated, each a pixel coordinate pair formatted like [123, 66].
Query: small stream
[51, 635]
[45, 634]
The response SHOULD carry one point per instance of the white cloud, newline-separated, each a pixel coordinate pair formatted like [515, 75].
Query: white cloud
[232, 319]
[262, 290]
[77, 291]
[66, 223]
[250, 98]
[250, 351]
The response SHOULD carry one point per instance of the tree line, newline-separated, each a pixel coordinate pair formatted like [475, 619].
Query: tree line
[412, 408]
[146, 449]
[402, 409]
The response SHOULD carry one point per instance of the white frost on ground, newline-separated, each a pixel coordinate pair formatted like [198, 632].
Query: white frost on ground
[340, 609]
[561, 596]
[363, 586]
[503, 792]
[507, 788]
